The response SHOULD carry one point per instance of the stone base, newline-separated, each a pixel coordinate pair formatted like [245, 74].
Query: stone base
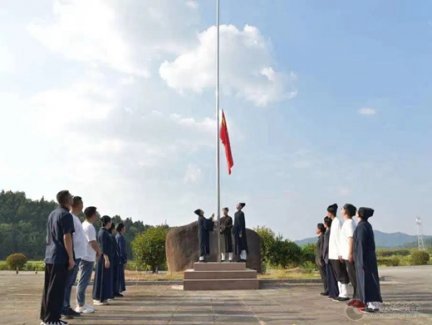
[220, 276]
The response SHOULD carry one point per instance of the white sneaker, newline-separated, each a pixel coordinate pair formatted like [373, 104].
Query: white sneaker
[84, 309]
[99, 303]
[91, 308]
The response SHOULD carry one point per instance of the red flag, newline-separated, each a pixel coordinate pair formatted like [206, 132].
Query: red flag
[226, 142]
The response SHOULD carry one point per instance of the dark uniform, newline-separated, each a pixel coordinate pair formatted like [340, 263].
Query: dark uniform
[204, 227]
[121, 242]
[226, 224]
[103, 283]
[319, 260]
[332, 287]
[115, 266]
[60, 222]
[368, 285]
[239, 231]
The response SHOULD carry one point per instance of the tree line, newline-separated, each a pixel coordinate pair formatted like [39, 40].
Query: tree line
[23, 225]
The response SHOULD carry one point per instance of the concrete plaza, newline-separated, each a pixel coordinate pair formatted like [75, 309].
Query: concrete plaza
[407, 292]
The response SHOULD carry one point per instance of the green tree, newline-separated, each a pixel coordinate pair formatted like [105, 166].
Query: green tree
[284, 253]
[308, 253]
[268, 238]
[16, 261]
[419, 257]
[149, 248]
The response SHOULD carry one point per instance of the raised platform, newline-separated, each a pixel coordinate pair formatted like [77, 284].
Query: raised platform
[220, 276]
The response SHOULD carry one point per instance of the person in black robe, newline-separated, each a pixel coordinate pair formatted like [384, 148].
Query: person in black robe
[204, 227]
[102, 288]
[121, 242]
[226, 224]
[332, 286]
[368, 285]
[239, 230]
[115, 264]
[319, 257]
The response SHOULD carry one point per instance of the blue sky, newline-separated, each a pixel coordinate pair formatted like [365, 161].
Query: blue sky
[326, 102]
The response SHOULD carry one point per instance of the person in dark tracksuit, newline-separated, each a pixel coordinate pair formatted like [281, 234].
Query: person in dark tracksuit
[59, 259]
[121, 242]
[115, 264]
[319, 257]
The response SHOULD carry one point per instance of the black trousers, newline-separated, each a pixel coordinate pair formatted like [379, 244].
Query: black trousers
[340, 270]
[53, 292]
[350, 267]
[228, 242]
[323, 274]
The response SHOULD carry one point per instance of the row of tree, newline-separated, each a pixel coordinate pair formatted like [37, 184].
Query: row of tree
[23, 225]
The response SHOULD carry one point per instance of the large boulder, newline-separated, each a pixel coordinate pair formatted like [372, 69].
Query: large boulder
[182, 248]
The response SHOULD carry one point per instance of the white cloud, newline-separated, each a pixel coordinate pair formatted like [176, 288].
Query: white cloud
[125, 35]
[367, 111]
[246, 67]
[193, 174]
[7, 60]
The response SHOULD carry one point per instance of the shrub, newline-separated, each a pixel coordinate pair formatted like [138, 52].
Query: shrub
[284, 253]
[419, 258]
[149, 248]
[3, 266]
[267, 239]
[308, 253]
[392, 252]
[34, 266]
[16, 261]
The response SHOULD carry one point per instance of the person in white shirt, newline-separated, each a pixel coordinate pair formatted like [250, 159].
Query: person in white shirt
[79, 251]
[92, 250]
[335, 256]
[347, 247]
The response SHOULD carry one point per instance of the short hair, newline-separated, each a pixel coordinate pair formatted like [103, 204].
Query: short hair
[328, 221]
[321, 227]
[105, 220]
[63, 196]
[120, 227]
[90, 212]
[76, 200]
[225, 209]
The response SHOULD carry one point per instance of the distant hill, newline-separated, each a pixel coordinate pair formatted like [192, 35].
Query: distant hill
[383, 240]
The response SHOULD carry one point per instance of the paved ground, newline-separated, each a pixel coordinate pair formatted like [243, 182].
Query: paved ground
[407, 293]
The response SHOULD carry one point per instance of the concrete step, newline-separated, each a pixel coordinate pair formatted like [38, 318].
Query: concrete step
[215, 266]
[230, 274]
[220, 284]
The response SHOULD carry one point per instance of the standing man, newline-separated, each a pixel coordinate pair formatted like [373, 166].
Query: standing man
[239, 230]
[115, 264]
[347, 246]
[226, 224]
[79, 247]
[335, 255]
[121, 243]
[368, 285]
[87, 262]
[332, 287]
[204, 227]
[59, 259]
[319, 257]
[102, 287]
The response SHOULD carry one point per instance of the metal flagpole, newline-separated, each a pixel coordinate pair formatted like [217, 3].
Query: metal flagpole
[217, 133]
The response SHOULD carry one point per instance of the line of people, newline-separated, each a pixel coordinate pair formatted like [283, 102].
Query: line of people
[227, 229]
[72, 250]
[345, 253]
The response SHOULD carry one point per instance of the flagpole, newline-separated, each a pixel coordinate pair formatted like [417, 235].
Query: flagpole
[218, 133]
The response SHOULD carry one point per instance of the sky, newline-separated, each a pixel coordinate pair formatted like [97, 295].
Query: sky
[325, 102]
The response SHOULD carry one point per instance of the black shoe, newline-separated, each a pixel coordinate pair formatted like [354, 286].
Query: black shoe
[342, 298]
[324, 293]
[119, 295]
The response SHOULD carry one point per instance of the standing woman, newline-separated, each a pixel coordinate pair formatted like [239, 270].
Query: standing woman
[226, 224]
[368, 286]
[102, 289]
[115, 263]
[239, 230]
[121, 242]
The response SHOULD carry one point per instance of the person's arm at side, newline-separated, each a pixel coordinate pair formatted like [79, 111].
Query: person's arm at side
[105, 248]
[95, 246]
[69, 249]
[350, 249]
